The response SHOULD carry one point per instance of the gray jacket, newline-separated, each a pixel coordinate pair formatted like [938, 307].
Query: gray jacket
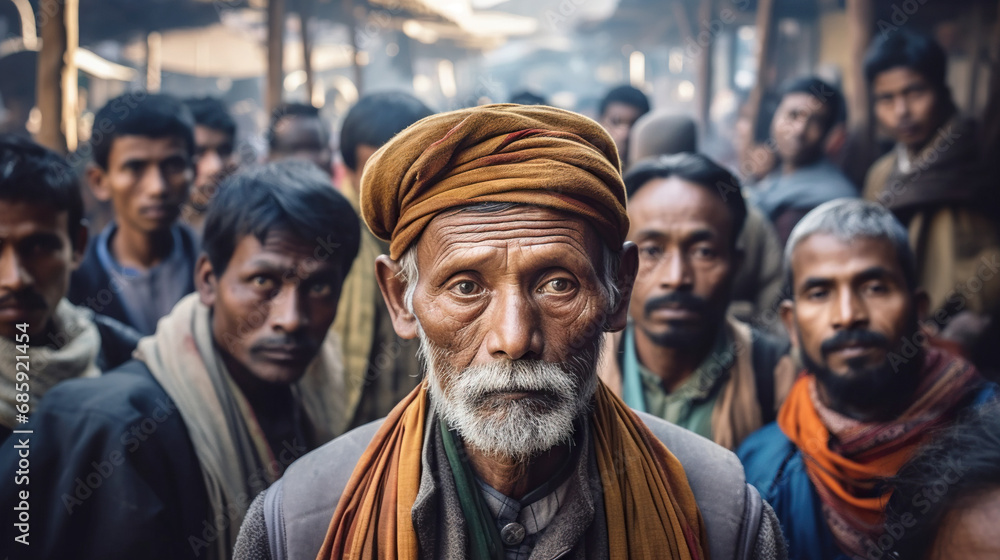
[290, 520]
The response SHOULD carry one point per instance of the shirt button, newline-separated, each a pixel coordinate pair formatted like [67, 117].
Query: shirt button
[512, 534]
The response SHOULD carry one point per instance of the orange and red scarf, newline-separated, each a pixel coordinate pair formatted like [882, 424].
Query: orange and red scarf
[848, 461]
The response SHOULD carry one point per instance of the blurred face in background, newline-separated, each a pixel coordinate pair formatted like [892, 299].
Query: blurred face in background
[37, 256]
[618, 119]
[906, 106]
[303, 138]
[799, 129]
[147, 181]
[214, 160]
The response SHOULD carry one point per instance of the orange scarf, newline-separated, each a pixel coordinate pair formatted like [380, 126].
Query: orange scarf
[650, 509]
[848, 460]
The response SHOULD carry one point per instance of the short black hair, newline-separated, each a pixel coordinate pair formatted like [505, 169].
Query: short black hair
[963, 460]
[906, 49]
[695, 168]
[527, 97]
[627, 95]
[292, 196]
[289, 110]
[211, 112]
[827, 94]
[375, 119]
[36, 175]
[140, 114]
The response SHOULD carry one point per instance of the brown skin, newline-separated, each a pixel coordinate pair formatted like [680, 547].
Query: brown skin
[303, 138]
[271, 310]
[618, 119]
[842, 287]
[147, 182]
[907, 107]
[518, 284]
[969, 532]
[363, 153]
[799, 129]
[684, 234]
[214, 159]
[37, 256]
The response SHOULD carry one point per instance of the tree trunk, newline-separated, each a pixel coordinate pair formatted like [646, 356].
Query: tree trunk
[703, 87]
[275, 53]
[51, 63]
[307, 56]
[765, 29]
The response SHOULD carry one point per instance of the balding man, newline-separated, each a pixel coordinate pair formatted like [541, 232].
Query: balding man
[507, 260]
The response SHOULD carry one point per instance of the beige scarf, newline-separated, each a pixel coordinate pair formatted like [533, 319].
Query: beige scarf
[236, 461]
[75, 345]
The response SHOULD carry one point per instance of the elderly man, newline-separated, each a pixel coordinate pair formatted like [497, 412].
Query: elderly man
[506, 226]
[161, 457]
[873, 388]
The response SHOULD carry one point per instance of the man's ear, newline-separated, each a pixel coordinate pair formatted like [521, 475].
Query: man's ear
[97, 181]
[205, 280]
[394, 292]
[627, 271]
[79, 245]
[787, 311]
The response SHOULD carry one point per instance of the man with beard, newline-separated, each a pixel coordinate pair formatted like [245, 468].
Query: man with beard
[681, 357]
[873, 388]
[214, 155]
[161, 457]
[506, 226]
[45, 339]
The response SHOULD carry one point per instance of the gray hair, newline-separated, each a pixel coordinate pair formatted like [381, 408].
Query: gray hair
[611, 262]
[848, 219]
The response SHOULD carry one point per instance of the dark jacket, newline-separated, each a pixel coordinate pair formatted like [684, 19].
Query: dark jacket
[775, 466]
[112, 474]
[118, 341]
[91, 285]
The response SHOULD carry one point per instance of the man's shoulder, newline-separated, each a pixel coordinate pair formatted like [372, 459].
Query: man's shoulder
[701, 457]
[124, 394]
[118, 340]
[763, 454]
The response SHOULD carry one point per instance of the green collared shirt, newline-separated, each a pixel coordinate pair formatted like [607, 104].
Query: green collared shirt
[690, 405]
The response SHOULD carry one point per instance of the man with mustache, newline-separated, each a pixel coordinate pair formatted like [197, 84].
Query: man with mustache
[940, 182]
[874, 386]
[142, 263]
[42, 239]
[807, 114]
[161, 457]
[507, 260]
[681, 358]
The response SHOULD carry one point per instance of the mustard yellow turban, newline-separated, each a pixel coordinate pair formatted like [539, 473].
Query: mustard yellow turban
[496, 153]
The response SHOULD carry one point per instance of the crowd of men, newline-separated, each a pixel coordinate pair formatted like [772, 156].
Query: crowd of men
[504, 332]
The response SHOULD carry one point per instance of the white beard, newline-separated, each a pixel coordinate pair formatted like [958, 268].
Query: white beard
[475, 405]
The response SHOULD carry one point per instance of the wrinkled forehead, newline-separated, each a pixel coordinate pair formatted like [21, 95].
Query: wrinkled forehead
[541, 233]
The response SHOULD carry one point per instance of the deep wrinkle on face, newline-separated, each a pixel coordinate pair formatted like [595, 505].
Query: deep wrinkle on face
[518, 284]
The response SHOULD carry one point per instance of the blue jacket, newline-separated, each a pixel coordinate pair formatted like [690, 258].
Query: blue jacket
[774, 465]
